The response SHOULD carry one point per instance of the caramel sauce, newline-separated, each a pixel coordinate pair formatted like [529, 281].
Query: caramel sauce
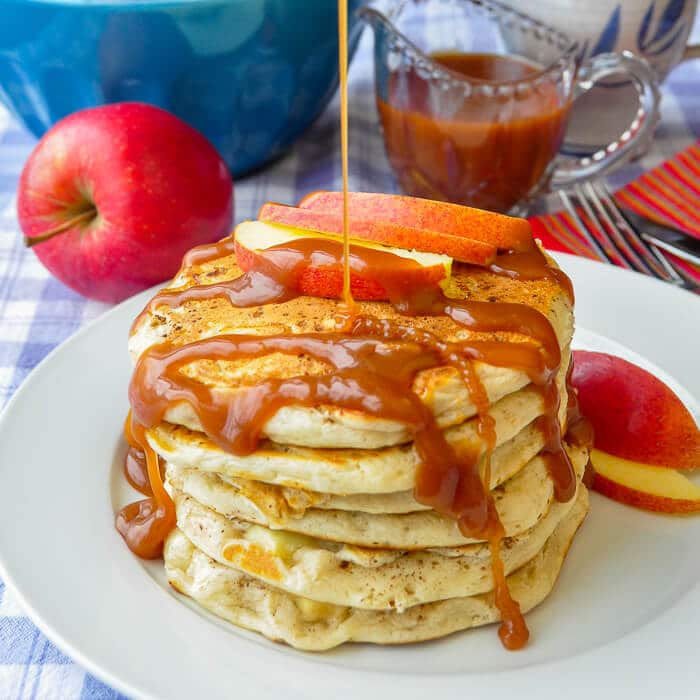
[344, 137]
[135, 467]
[513, 631]
[541, 364]
[579, 430]
[531, 265]
[145, 524]
[366, 377]
[136, 471]
[558, 463]
[207, 252]
[373, 363]
[279, 269]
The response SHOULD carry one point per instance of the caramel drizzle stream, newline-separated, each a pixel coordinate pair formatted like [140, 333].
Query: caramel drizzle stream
[145, 524]
[343, 67]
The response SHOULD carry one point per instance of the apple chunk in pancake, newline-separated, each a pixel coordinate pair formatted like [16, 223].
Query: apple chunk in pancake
[319, 272]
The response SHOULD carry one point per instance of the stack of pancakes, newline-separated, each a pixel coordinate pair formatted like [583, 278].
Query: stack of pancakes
[315, 538]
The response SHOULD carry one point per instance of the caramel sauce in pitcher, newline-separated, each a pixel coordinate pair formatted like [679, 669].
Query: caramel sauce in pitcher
[479, 149]
[372, 366]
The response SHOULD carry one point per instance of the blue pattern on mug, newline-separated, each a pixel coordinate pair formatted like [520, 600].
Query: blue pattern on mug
[608, 39]
[668, 31]
[670, 27]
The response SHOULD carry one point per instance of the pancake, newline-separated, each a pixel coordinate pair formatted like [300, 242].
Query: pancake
[347, 471]
[521, 502]
[283, 502]
[305, 624]
[330, 572]
[441, 388]
[331, 427]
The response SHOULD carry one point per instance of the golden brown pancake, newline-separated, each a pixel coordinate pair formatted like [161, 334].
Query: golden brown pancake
[521, 502]
[310, 625]
[441, 388]
[348, 471]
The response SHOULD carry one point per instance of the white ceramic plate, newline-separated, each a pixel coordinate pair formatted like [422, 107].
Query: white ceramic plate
[624, 616]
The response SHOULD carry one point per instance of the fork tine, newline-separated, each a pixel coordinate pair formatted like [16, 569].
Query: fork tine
[620, 241]
[597, 226]
[665, 246]
[675, 276]
[684, 279]
[653, 257]
[583, 229]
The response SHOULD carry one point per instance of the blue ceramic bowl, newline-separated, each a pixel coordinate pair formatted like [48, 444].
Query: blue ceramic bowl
[249, 74]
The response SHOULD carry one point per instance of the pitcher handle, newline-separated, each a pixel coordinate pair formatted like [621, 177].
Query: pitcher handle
[568, 171]
[691, 51]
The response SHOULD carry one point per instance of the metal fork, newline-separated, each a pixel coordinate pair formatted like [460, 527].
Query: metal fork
[613, 238]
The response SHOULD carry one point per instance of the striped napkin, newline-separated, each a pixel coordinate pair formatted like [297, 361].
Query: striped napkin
[669, 194]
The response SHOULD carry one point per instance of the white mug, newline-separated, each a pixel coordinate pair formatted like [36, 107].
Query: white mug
[657, 30]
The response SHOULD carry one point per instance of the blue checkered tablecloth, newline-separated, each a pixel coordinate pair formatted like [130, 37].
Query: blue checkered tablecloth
[37, 312]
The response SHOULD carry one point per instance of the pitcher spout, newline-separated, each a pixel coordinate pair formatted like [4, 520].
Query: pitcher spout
[379, 15]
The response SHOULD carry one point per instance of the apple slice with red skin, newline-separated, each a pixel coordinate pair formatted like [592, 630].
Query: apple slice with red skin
[112, 197]
[503, 232]
[634, 415]
[398, 235]
[657, 489]
[373, 267]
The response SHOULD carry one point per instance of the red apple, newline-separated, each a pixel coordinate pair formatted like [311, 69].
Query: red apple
[112, 197]
[634, 415]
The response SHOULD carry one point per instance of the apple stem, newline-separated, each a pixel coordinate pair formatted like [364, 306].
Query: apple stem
[61, 228]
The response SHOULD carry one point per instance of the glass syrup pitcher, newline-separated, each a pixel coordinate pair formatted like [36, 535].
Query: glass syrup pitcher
[474, 99]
